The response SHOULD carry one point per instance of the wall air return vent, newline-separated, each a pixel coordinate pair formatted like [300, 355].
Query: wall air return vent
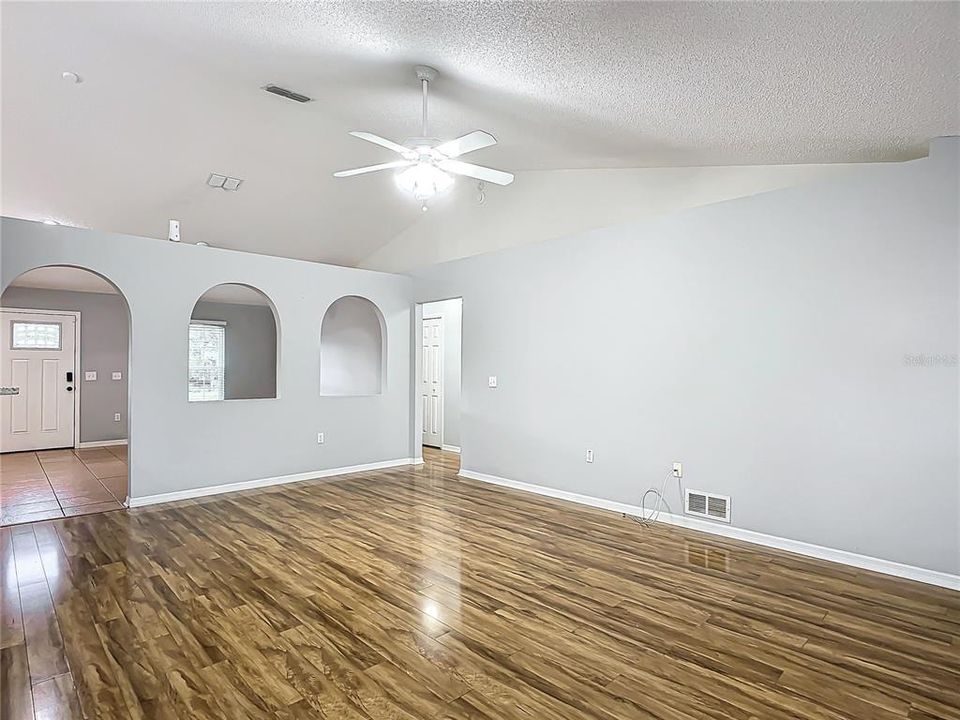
[288, 94]
[708, 505]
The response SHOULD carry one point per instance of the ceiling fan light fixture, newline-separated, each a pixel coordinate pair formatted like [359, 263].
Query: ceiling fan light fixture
[424, 180]
[430, 165]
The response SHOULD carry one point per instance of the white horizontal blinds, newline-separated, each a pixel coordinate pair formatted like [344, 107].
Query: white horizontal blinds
[35, 336]
[206, 368]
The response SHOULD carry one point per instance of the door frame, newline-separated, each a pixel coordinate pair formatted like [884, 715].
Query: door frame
[416, 345]
[443, 374]
[76, 362]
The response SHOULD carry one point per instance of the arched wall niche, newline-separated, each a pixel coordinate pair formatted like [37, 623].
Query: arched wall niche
[353, 348]
[233, 345]
[102, 342]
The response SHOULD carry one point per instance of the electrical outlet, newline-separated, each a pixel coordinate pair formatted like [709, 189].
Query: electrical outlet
[90, 375]
[492, 382]
[319, 438]
[678, 470]
[117, 375]
[116, 417]
[589, 456]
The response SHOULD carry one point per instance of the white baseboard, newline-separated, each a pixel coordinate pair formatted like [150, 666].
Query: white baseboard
[887, 567]
[100, 443]
[264, 482]
[451, 448]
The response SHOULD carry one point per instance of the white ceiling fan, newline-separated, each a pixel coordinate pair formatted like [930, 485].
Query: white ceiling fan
[429, 163]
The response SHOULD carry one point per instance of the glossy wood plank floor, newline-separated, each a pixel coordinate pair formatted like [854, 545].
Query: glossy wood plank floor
[410, 593]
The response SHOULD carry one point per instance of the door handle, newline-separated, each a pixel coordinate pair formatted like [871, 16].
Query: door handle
[9, 391]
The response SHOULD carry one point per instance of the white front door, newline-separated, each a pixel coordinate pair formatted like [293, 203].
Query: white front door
[38, 377]
[431, 383]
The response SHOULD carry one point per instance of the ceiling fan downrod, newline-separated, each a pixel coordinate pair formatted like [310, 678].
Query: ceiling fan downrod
[425, 74]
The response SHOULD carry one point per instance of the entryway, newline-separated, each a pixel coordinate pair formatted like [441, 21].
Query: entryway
[64, 361]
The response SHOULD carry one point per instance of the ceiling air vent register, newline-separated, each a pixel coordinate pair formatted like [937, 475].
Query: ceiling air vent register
[288, 94]
[708, 505]
[224, 182]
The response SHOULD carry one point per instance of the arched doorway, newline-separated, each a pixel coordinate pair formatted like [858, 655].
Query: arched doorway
[64, 425]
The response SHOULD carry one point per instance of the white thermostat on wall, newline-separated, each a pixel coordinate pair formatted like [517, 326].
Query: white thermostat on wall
[90, 375]
[118, 376]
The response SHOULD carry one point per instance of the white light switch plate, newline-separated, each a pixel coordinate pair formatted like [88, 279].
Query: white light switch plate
[90, 375]
[492, 382]
[319, 438]
[118, 376]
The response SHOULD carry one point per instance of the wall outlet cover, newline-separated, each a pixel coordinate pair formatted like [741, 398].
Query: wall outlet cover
[116, 417]
[90, 375]
[492, 382]
[117, 375]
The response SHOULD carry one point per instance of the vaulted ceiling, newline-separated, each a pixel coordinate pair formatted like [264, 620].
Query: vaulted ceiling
[171, 92]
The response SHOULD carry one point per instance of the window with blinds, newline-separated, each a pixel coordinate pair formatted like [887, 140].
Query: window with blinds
[207, 355]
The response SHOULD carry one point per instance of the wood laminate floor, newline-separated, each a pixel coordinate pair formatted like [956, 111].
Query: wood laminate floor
[410, 593]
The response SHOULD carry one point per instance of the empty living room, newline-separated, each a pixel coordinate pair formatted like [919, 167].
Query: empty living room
[480, 360]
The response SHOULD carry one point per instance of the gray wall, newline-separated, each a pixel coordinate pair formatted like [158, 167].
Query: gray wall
[451, 312]
[103, 347]
[351, 349]
[178, 445]
[250, 352]
[769, 343]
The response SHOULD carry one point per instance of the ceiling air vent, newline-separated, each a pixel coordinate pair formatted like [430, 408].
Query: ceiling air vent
[288, 94]
[708, 505]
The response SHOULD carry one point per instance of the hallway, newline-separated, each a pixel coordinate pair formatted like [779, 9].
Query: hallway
[51, 484]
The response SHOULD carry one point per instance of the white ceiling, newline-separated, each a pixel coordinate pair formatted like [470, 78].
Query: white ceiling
[171, 93]
[78, 280]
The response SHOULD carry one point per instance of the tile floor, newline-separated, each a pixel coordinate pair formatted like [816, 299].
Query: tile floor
[56, 483]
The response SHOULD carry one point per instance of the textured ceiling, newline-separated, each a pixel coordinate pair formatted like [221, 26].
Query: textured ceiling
[171, 93]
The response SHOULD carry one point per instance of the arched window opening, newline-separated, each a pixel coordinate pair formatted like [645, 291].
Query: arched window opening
[232, 344]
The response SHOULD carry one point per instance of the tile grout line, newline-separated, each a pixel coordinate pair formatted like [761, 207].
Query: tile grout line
[52, 489]
[99, 480]
[95, 477]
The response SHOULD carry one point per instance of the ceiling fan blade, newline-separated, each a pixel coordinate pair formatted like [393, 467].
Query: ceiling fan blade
[498, 177]
[382, 142]
[373, 168]
[476, 140]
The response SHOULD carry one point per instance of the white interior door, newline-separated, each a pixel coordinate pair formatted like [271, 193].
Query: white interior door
[431, 382]
[37, 356]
